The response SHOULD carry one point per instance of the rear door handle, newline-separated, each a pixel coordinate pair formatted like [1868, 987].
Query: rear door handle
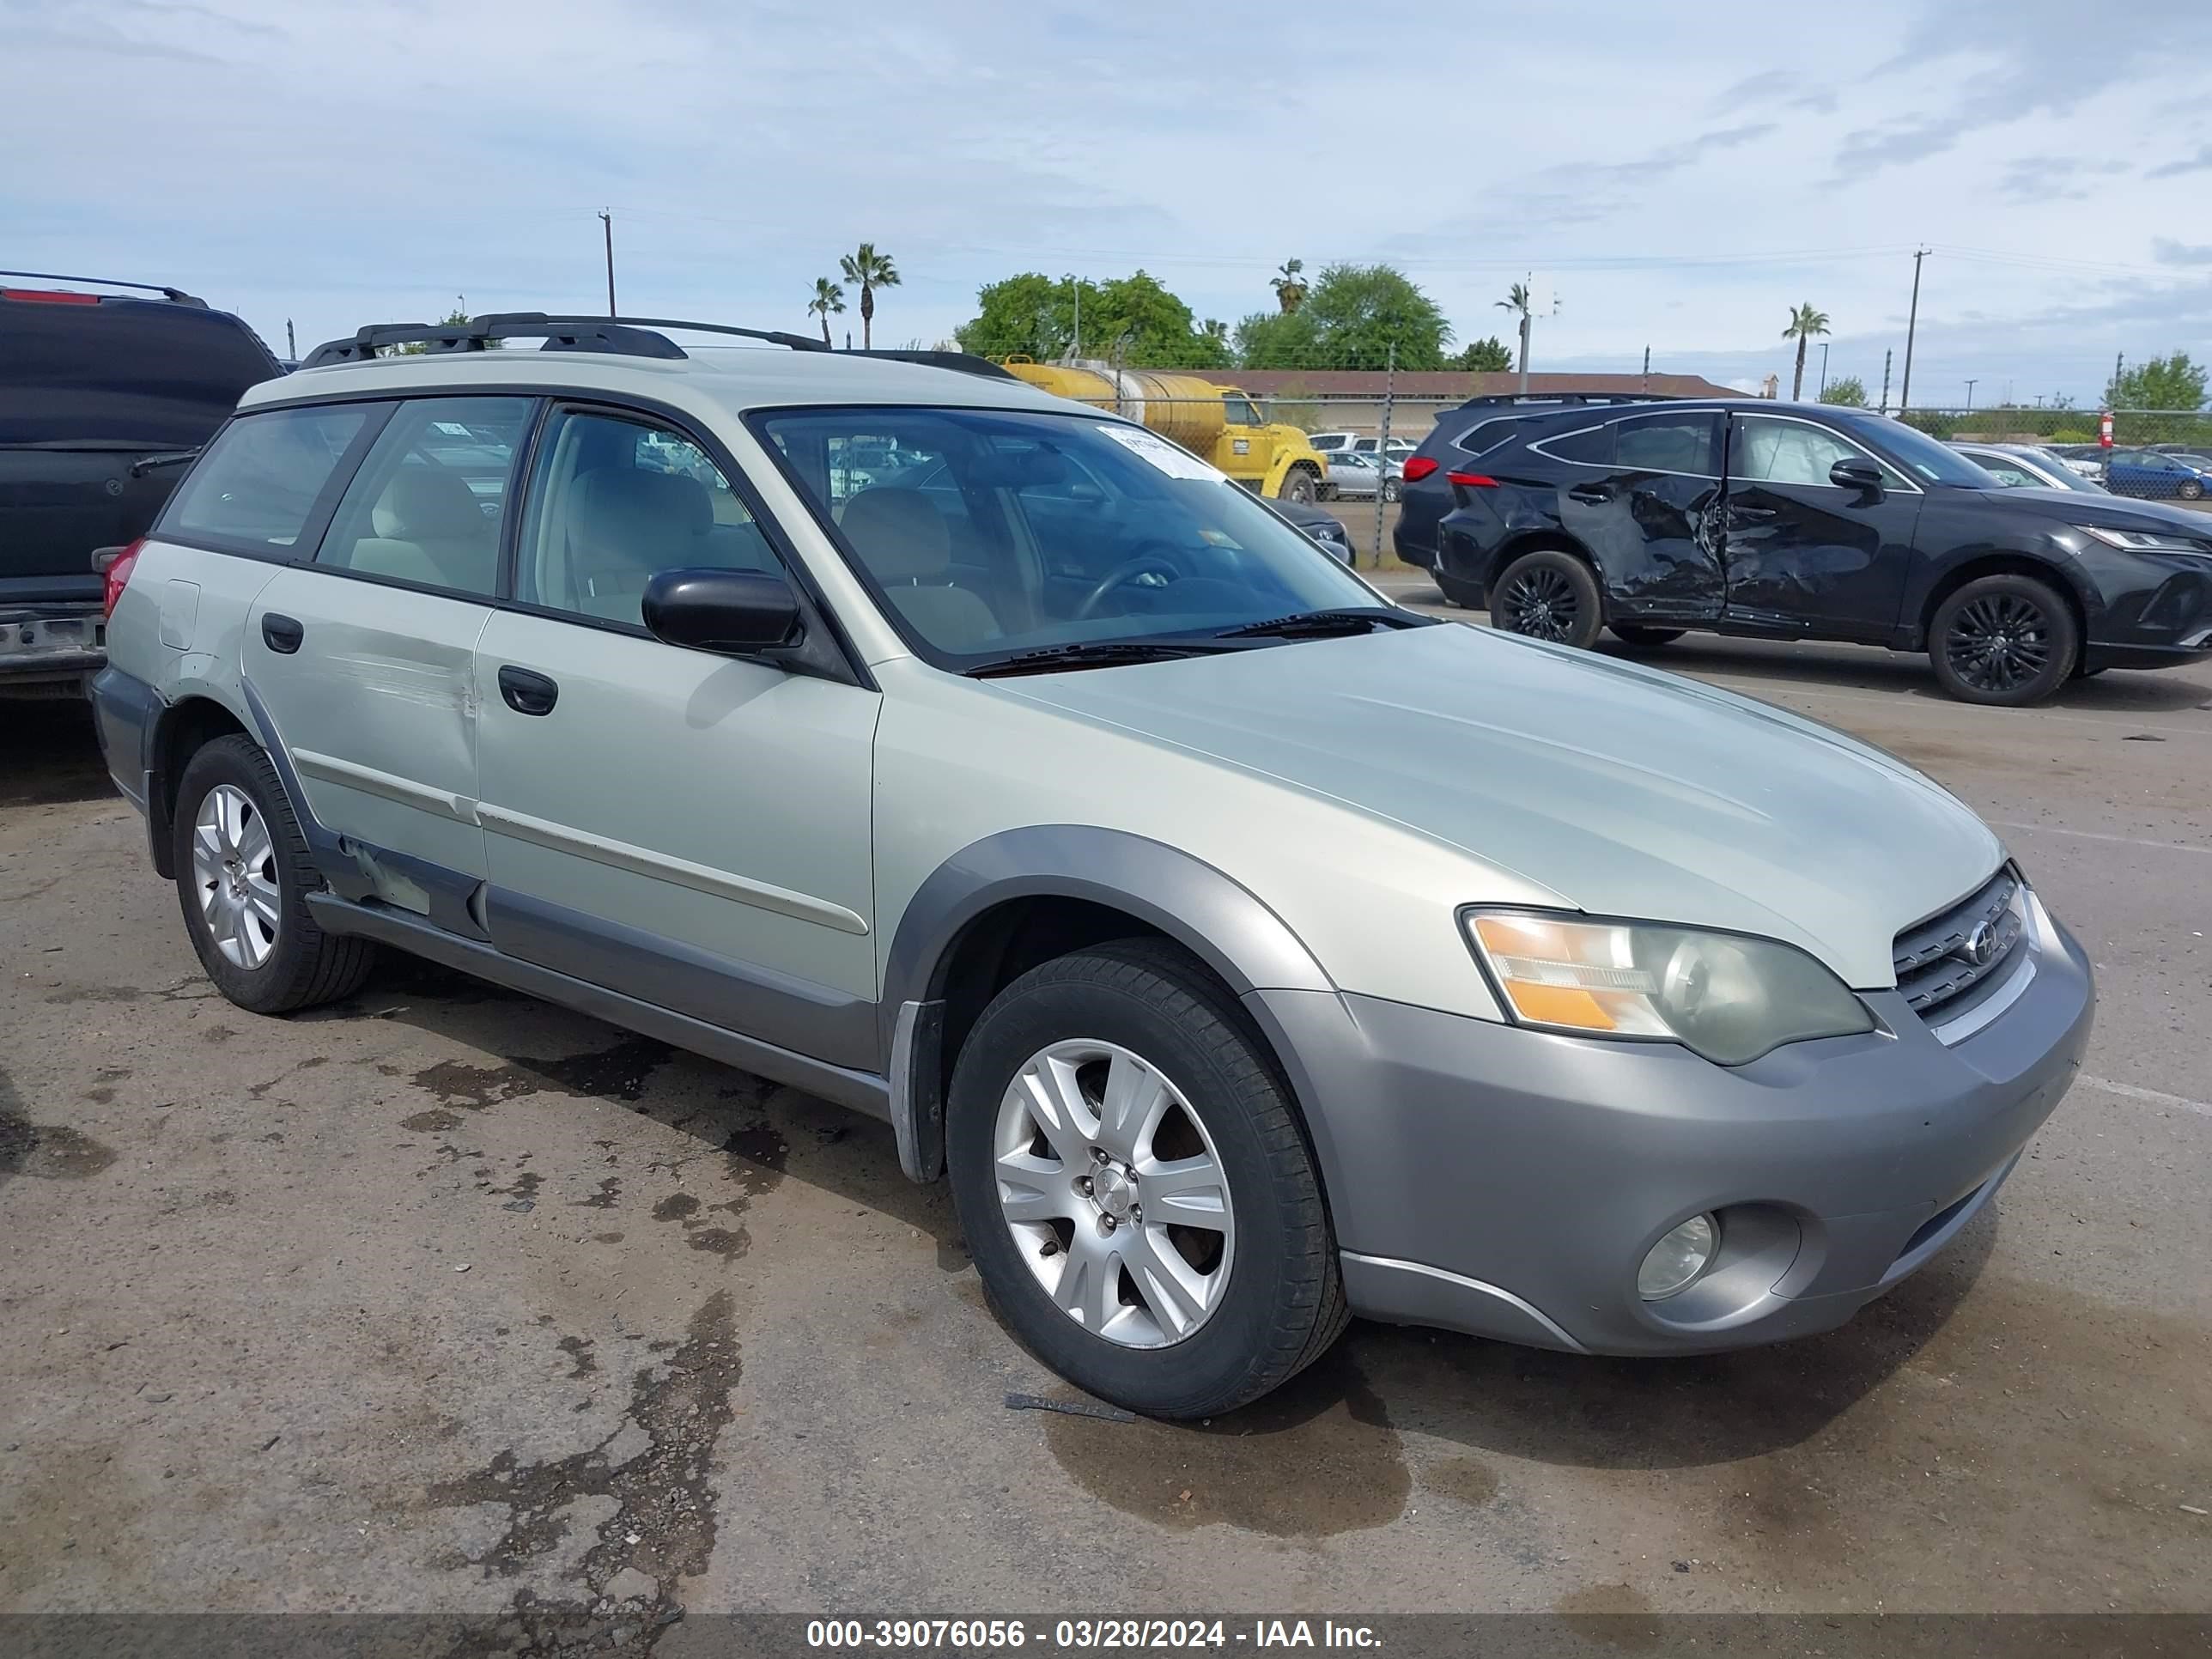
[282, 634]
[528, 692]
[1755, 513]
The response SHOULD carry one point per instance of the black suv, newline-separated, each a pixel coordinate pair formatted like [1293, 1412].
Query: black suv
[102, 397]
[1805, 521]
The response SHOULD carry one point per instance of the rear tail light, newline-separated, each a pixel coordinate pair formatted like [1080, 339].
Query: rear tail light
[48, 296]
[1471, 480]
[116, 573]
[1419, 467]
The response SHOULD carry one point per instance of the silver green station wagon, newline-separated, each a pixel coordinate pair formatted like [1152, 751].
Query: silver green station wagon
[1248, 952]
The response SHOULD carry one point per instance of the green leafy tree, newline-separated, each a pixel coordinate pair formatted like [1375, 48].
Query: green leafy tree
[829, 299]
[1132, 319]
[1351, 318]
[1804, 324]
[868, 270]
[1490, 356]
[1290, 286]
[1279, 340]
[2169, 382]
[456, 317]
[1850, 391]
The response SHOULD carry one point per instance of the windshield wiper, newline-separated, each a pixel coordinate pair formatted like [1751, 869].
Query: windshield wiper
[1093, 654]
[1320, 624]
[146, 464]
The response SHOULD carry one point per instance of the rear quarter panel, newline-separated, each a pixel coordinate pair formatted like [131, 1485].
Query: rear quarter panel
[206, 627]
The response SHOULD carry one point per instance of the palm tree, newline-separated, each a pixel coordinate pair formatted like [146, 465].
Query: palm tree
[1804, 324]
[1289, 287]
[827, 298]
[1517, 299]
[870, 270]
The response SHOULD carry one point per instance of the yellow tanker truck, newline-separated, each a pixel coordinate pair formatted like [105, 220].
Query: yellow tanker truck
[1215, 421]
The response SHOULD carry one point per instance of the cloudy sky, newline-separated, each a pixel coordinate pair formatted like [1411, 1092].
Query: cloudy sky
[1680, 175]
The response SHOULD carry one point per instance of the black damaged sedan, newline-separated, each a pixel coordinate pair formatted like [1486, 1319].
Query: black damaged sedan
[1807, 522]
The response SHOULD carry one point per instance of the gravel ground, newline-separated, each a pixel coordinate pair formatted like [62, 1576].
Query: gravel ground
[446, 1299]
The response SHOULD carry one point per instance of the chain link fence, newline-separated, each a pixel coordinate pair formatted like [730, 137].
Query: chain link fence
[2156, 454]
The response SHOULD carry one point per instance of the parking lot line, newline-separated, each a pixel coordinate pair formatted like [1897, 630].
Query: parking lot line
[2098, 835]
[2150, 1097]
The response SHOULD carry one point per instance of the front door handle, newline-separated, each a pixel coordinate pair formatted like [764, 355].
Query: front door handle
[528, 692]
[282, 634]
[1592, 493]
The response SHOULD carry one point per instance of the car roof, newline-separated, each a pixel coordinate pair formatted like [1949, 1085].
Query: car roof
[737, 378]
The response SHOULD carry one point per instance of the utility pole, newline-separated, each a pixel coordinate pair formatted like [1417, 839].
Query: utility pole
[2119, 362]
[607, 222]
[1969, 396]
[1824, 370]
[1885, 382]
[1075, 351]
[1383, 443]
[1912, 323]
[291, 346]
[1647, 371]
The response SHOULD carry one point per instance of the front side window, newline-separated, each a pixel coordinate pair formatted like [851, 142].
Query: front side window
[427, 505]
[1787, 453]
[256, 487]
[1017, 530]
[1240, 409]
[1670, 443]
[613, 501]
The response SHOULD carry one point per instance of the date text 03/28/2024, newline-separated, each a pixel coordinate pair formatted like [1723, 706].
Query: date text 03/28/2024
[989, 1635]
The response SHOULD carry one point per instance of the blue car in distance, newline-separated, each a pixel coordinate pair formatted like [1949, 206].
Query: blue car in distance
[2160, 477]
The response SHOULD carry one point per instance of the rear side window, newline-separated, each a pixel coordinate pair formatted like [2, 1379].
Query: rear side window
[1592, 446]
[1670, 443]
[145, 373]
[256, 489]
[1482, 438]
[427, 503]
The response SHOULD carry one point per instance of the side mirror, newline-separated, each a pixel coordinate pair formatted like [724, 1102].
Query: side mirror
[1862, 475]
[721, 610]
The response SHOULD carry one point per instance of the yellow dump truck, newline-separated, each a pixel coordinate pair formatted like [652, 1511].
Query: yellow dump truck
[1216, 422]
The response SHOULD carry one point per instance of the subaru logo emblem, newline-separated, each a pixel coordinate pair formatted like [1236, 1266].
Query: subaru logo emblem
[1981, 947]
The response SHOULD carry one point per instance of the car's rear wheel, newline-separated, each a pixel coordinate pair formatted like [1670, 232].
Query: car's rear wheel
[1390, 491]
[1548, 595]
[243, 874]
[2005, 640]
[1135, 1185]
[1630, 634]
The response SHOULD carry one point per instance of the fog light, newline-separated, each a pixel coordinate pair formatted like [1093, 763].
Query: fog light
[1677, 1259]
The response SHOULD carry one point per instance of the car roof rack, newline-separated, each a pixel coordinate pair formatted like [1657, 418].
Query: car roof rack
[632, 336]
[177, 295]
[963, 362]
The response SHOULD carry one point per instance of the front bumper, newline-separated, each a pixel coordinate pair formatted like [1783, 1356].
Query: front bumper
[1506, 1181]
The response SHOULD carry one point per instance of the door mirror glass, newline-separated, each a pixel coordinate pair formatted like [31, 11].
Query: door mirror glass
[1852, 473]
[721, 610]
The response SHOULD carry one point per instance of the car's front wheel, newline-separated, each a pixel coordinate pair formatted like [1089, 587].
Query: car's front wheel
[2192, 489]
[1548, 595]
[1300, 485]
[2005, 640]
[1135, 1185]
[243, 874]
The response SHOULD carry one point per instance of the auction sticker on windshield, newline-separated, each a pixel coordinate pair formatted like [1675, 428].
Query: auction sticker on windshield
[1175, 462]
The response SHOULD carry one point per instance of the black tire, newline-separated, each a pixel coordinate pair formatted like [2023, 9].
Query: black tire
[1390, 491]
[305, 965]
[1458, 592]
[2006, 641]
[1630, 633]
[1324, 492]
[1548, 595]
[1283, 1305]
[1299, 484]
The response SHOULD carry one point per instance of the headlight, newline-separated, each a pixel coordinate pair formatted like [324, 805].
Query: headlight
[2140, 541]
[1729, 998]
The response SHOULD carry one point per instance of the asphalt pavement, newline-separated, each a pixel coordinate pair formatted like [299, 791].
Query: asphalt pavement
[444, 1298]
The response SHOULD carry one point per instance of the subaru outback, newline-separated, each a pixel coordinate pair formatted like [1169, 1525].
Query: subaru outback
[996, 768]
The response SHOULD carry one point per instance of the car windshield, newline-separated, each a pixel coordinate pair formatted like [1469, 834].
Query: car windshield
[988, 534]
[1918, 454]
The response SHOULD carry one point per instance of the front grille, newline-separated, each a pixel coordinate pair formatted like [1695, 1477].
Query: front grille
[1940, 960]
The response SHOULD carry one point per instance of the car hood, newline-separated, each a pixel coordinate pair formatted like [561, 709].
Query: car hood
[1625, 790]
[2113, 512]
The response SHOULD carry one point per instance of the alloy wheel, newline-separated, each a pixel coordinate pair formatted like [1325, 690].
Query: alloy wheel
[1541, 604]
[1999, 642]
[1114, 1192]
[235, 875]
